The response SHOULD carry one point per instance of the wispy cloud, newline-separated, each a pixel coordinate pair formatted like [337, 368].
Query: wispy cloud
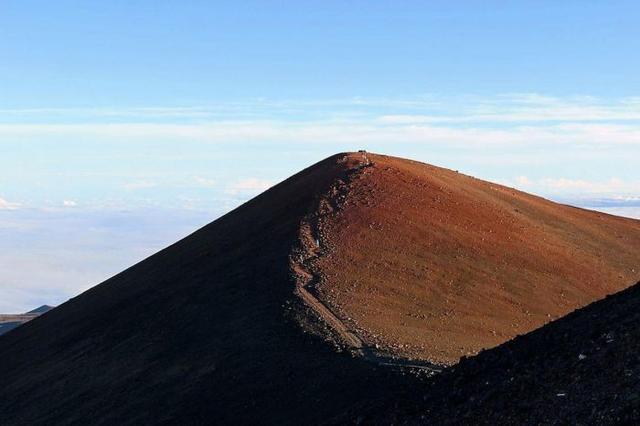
[7, 205]
[205, 182]
[248, 186]
[514, 107]
[347, 132]
[623, 191]
[632, 212]
[522, 108]
[503, 119]
[141, 184]
[491, 137]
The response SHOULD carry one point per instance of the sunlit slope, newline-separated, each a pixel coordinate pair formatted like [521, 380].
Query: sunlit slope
[429, 263]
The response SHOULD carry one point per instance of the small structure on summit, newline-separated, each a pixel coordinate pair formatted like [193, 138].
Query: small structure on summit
[364, 157]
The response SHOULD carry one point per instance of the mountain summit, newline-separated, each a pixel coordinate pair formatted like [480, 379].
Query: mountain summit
[305, 301]
[427, 263]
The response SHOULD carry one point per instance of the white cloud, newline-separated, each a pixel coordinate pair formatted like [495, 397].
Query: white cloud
[614, 188]
[249, 186]
[519, 133]
[613, 185]
[69, 203]
[354, 132]
[627, 199]
[425, 108]
[142, 184]
[207, 183]
[632, 212]
[51, 255]
[535, 107]
[504, 119]
[7, 205]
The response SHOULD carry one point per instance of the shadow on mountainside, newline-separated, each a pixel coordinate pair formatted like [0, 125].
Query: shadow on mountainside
[203, 332]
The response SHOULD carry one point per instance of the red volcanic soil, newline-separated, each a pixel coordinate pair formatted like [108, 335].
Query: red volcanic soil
[398, 262]
[431, 264]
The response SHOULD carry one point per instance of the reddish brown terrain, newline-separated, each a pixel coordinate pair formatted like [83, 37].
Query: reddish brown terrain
[311, 301]
[428, 263]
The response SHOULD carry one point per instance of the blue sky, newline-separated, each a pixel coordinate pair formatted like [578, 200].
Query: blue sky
[125, 125]
[149, 53]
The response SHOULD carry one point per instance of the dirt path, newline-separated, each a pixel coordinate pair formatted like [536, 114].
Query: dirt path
[325, 313]
[310, 249]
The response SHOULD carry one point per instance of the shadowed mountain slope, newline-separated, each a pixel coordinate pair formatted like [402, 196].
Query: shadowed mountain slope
[387, 258]
[6, 326]
[200, 333]
[581, 369]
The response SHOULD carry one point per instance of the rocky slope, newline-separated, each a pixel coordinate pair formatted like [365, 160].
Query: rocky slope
[426, 263]
[581, 369]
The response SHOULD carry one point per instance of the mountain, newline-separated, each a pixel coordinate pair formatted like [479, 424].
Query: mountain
[10, 321]
[581, 369]
[41, 310]
[312, 299]
[428, 263]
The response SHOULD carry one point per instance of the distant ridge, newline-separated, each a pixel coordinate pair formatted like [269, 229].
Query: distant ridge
[10, 321]
[41, 310]
[313, 298]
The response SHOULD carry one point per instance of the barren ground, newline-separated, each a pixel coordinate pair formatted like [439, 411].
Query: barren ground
[430, 264]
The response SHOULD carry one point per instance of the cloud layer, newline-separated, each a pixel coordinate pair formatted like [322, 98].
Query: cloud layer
[6, 205]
